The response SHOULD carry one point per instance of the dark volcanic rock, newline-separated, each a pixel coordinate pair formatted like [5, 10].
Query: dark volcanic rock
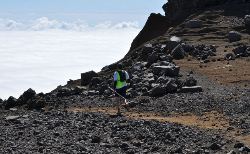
[155, 26]
[87, 76]
[11, 102]
[194, 24]
[234, 36]
[36, 102]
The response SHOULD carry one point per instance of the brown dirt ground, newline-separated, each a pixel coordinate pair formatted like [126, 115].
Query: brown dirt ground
[210, 120]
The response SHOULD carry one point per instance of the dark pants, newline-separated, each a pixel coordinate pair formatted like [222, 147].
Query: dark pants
[121, 91]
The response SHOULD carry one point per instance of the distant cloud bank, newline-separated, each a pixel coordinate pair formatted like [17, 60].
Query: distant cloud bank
[45, 24]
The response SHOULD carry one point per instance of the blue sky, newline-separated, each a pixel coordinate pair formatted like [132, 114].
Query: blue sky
[91, 11]
[82, 6]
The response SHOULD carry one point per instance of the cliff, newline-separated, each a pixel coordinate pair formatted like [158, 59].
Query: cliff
[155, 26]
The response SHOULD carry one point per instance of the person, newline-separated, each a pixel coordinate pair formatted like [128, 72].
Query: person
[121, 78]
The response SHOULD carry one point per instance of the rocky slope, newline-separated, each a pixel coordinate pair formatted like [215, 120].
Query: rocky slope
[189, 92]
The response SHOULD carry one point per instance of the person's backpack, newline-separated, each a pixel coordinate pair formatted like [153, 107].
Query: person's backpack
[122, 76]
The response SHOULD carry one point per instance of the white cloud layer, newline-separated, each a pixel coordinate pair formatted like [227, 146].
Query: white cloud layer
[42, 55]
[46, 24]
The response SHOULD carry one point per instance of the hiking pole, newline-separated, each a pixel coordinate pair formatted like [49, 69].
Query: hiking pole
[126, 103]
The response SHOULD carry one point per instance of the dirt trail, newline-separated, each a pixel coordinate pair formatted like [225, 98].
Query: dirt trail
[210, 120]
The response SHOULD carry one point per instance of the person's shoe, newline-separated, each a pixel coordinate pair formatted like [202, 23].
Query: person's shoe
[119, 112]
[127, 106]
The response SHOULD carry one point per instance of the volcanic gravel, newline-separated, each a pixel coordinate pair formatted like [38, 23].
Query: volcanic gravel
[56, 130]
[76, 132]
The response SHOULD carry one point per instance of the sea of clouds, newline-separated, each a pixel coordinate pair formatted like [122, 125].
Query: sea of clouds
[43, 54]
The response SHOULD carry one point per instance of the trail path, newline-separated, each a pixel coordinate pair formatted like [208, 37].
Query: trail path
[210, 120]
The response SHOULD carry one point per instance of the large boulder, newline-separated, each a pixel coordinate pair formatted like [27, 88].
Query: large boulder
[36, 102]
[247, 20]
[234, 36]
[64, 92]
[157, 90]
[95, 80]
[194, 24]
[145, 51]
[162, 80]
[171, 86]
[189, 82]
[178, 52]
[28, 94]
[153, 57]
[92, 92]
[11, 102]
[173, 42]
[136, 67]
[167, 70]
[167, 58]
[187, 47]
[102, 87]
[87, 76]
[240, 49]
[79, 89]
[191, 89]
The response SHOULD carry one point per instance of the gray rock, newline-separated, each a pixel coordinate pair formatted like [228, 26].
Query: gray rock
[178, 52]
[12, 118]
[133, 93]
[146, 49]
[215, 146]
[173, 42]
[167, 70]
[153, 65]
[191, 89]
[36, 102]
[153, 57]
[239, 145]
[162, 79]
[87, 76]
[79, 89]
[190, 82]
[247, 20]
[239, 50]
[231, 152]
[11, 102]
[246, 148]
[234, 36]
[63, 92]
[96, 139]
[136, 67]
[167, 58]
[96, 80]
[229, 56]
[171, 86]
[105, 68]
[194, 24]
[29, 94]
[187, 47]
[92, 92]
[164, 63]
[157, 90]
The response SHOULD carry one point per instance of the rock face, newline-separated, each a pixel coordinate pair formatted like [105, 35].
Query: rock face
[87, 76]
[155, 26]
[182, 8]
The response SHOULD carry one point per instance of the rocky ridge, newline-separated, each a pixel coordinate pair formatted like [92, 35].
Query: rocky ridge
[176, 75]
